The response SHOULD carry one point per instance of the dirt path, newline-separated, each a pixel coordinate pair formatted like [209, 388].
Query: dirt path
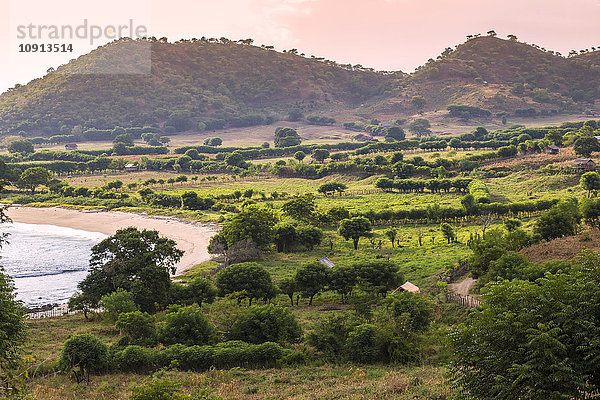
[463, 286]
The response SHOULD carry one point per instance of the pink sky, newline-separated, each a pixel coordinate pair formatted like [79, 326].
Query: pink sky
[383, 34]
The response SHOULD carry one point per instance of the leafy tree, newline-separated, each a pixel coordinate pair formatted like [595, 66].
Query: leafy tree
[555, 137]
[197, 291]
[287, 286]
[299, 155]
[561, 220]
[585, 146]
[355, 228]
[377, 277]
[522, 344]
[590, 210]
[590, 181]
[309, 236]
[137, 261]
[418, 310]
[12, 326]
[84, 354]
[252, 223]
[287, 137]
[301, 208]
[342, 280]
[23, 147]
[295, 115]
[320, 154]
[34, 177]
[285, 236]
[118, 302]
[391, 235]
[139, 326]
[250, 280]
[332, 187]
[188, 326]
[180, 120]
[396, 133]
[311, 279]
[125, 139]
[420, 127]
[511, 225]
[338, 213]
[236, 159]
[268, 323]
[213, 141]
[448, 232]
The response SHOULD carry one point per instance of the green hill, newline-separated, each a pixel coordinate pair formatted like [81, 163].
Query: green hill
[225, 83]
[208, 80]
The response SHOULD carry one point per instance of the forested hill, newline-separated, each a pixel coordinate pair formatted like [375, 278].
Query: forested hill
[210, 80]
[505, 75]
[223, 83]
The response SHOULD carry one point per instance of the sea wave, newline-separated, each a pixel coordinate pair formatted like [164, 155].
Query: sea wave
[52, 230]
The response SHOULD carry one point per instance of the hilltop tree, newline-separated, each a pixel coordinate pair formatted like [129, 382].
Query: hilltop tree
[355, 228]
[590, 181]
[420, 127]
[139, 262]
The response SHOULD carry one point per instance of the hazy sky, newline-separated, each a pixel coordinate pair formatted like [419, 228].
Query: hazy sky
[383, 34]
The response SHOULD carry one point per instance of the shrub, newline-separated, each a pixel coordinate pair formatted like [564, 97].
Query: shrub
[189, 326]
[138, 326]
[83, 354]
[267, 323]
[361, 344]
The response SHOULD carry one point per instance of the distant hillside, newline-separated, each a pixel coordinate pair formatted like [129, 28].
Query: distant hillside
[224, 83]
[210, 81]
[504, 75]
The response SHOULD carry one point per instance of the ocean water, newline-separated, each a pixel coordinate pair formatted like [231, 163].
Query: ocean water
[46, 261]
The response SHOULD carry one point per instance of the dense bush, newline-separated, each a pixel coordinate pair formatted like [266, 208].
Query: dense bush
[188, 326]
[268, 323]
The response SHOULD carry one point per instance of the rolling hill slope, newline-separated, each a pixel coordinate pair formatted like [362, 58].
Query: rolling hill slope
[225, 83]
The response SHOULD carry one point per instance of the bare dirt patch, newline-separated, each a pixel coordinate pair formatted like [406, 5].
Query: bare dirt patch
[566, 248]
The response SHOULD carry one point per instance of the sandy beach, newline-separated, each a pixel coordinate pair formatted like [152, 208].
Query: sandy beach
[191, 237]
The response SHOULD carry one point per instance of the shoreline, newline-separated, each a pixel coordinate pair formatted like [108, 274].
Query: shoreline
[191, 237]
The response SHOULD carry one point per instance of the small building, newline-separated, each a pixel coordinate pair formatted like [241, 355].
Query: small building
[552, 149]
[408, 287]
[326, 262]
[583, 164]
[71, 146]
[131, 168]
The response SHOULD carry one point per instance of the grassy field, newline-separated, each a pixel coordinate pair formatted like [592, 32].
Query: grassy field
[318, 381]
